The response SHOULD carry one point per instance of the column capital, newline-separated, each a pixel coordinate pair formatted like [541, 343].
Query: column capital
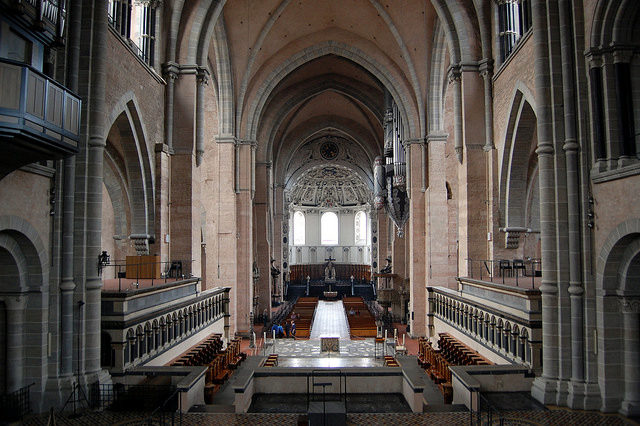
[227, 139]
[436, 137]
[202, 76]
[455, 73]
[15, 302]
[170, 70]
[630, 304]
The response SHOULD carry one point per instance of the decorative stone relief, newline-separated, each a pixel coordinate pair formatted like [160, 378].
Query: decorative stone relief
[512, 239]
[630, 305]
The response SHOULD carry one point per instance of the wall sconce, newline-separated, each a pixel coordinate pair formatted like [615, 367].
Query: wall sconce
[103, 260]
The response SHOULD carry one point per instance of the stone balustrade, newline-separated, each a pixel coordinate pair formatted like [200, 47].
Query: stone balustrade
[501, 321]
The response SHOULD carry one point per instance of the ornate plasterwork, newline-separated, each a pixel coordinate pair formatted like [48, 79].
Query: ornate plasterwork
[329, 186]
[329, 150]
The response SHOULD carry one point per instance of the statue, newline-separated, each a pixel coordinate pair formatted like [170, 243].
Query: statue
[329, 271]
[274, 276]
[274, 270]
[387, 267]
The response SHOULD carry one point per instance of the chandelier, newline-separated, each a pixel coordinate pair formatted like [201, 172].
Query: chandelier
[390, 170]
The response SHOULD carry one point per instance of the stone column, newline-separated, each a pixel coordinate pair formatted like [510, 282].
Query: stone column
[15, 342]
[227, 221]
[262, 244]
[120, 356]
[571, 147]
[68, 285]
[170, 73]
[244, 237]
[417, 278]
[437, 240]
[631, 366]
[455, 79]
[545, 386]
[97, 143]
[202, 77]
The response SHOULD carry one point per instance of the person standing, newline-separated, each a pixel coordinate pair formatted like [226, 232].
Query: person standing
[293, 330]
[287, 328]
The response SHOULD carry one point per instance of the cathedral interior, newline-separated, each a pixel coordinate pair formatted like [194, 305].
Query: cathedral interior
[433, 198]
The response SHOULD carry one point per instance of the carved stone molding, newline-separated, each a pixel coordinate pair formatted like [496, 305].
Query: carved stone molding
[630, 305]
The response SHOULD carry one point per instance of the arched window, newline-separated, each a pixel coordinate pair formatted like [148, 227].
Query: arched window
[360, 225]
[298, 228]
[329, 228]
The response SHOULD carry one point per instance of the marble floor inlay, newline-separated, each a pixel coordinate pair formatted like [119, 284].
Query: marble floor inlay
[311, 348]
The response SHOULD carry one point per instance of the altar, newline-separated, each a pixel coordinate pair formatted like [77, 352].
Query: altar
[329, 343]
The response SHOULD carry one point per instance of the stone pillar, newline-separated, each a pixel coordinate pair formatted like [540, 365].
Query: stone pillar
[455, 79]
[15, 342]
[202, 78]
[244, 237]
[280, 230]
[417, 258]
[545, 386]
[97, 143]
[227, 222]
[262, 243]
[437, 239]
[631, 365]
[170, 73]
[120, 356]
[67, 285]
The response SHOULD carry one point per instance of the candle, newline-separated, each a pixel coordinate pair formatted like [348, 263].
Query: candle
[403, 339]
[395, 334]
[385, 335]
[273, 333]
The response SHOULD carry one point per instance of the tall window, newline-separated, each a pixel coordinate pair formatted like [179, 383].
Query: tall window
[360, 225]
[329, 228]
[514, 20]
[135, 21]
[298, 229]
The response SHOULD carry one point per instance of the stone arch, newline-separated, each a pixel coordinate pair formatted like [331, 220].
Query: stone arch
[517, 155]
[135, 160]
[613, 22]
[618, 307]
[399, 91]
[437, 81]
[132, 346]
[20, 236]
[24, 282]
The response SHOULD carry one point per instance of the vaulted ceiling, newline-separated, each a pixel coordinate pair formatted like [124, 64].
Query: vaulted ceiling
[289, 72]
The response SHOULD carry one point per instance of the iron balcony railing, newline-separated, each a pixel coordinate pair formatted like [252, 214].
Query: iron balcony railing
[15, 405]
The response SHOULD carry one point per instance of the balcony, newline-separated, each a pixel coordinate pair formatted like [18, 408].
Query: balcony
[47, 17]
[39, 118]
[503, 322]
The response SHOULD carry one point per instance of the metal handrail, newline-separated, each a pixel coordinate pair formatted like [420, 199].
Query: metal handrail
[119, 264]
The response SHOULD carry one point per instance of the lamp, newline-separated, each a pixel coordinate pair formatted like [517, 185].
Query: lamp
[103, 260]
[390, 170]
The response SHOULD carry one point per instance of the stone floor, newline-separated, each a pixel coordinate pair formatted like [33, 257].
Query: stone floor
[553, 416]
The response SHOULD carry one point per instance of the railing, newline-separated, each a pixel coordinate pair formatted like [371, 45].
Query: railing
[121, 397]
[46, 14]
[313, 386]
[507, 320]
[496, 270]
[166, 413]
[14, 405]
[175, 270]
[40, 106]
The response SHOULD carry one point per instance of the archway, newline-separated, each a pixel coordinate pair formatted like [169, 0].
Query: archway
[618, 306]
